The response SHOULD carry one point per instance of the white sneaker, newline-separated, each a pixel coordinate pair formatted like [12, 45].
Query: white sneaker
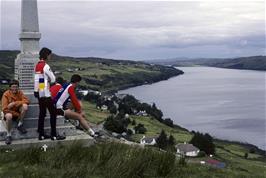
[91, 132]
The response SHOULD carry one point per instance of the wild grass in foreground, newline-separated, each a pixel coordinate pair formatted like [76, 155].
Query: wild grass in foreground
[103, 160]
[110, 160]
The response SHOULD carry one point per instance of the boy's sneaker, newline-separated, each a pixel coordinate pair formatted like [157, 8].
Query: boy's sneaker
[42, 137]
[21, 129]
[8, 140]
[58, 137]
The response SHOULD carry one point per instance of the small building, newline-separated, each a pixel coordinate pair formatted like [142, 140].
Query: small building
[104, 107]
[83, 92]
[148, 140]
[57, 72]
[70, 70]
[187, 150]
[142, 113]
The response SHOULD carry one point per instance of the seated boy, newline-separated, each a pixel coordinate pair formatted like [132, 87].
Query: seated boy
[61, 96]
[14, 107]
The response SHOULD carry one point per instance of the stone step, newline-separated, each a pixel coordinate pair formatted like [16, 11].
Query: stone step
[33, 122]
[33, 111]
[83, 138]
[68, 130]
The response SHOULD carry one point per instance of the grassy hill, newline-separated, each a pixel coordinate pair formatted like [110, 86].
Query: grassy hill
[98, 73]
[118, 160]
[251, 63]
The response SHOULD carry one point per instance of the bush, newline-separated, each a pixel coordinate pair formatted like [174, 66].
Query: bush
[115, 124]
[133, 122]
[168, 122]
[129, 132]
[113, 109]
[201, 154]
[204, 142]
[162, 141]
[140, 129]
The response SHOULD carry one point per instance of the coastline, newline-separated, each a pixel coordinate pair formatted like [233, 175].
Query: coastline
[244, 144]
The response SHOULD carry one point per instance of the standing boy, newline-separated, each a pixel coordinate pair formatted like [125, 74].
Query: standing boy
[44, 77]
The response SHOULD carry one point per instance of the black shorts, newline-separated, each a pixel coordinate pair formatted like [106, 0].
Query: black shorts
[60, 112]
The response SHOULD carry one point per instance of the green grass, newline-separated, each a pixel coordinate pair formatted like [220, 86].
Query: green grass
[154, 128]
[115, 160]
[93, 114]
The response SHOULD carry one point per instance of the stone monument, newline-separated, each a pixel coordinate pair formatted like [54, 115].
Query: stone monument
[29, 38]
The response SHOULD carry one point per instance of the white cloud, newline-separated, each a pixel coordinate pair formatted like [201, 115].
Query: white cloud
[145, 29]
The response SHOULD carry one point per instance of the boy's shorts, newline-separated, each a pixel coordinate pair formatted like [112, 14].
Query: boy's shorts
[15, 114]
[60, 112]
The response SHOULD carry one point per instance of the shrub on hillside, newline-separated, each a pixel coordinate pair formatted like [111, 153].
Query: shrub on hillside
[115, 124]
[204, 142]
[140, 129]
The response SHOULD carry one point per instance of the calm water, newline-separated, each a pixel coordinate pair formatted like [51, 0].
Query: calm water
[227, 103]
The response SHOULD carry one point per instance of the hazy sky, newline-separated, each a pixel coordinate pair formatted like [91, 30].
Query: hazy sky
[141, 30]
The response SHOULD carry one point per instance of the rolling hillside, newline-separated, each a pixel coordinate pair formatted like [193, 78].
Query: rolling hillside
[98, 73]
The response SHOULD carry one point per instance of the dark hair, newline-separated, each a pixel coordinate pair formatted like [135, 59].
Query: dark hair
[44, 53]
[75, 78]
[60, 80]
[13, 82]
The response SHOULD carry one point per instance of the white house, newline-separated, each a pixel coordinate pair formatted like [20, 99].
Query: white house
[104, 107]
[148, 140]
[142, 113]
[83, 92]
[187, 149]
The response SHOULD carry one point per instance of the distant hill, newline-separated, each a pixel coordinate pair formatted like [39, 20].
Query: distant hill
[98, 73]
[251, 63]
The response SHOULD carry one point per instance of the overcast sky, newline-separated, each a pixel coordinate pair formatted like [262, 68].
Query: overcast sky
[143, 30]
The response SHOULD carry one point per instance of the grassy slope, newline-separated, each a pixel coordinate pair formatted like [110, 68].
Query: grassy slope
[115, 160]
[98, 74]
[230, 153]
[112, 75]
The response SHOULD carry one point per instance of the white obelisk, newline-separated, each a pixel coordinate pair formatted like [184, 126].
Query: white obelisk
[29, 39]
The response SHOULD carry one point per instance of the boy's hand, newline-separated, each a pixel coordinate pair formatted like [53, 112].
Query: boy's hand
[11, 105]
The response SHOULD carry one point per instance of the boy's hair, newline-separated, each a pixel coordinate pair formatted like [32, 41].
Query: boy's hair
[44, 53]
[60, 80]
[75, 78]
[13, 82]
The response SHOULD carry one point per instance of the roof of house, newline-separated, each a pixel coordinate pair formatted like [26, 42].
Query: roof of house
[148, 139]
[186, 147]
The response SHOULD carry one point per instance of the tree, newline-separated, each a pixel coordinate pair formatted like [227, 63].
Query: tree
[171, 140]
[134, 122]
[140, 129]
[246, 155]
[113, 109]
[162, 141]
[168, 122]
[204, 142]
[115, 124]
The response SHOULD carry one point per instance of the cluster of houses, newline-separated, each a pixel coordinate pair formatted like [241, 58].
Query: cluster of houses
[185, 149]
[181, 148]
